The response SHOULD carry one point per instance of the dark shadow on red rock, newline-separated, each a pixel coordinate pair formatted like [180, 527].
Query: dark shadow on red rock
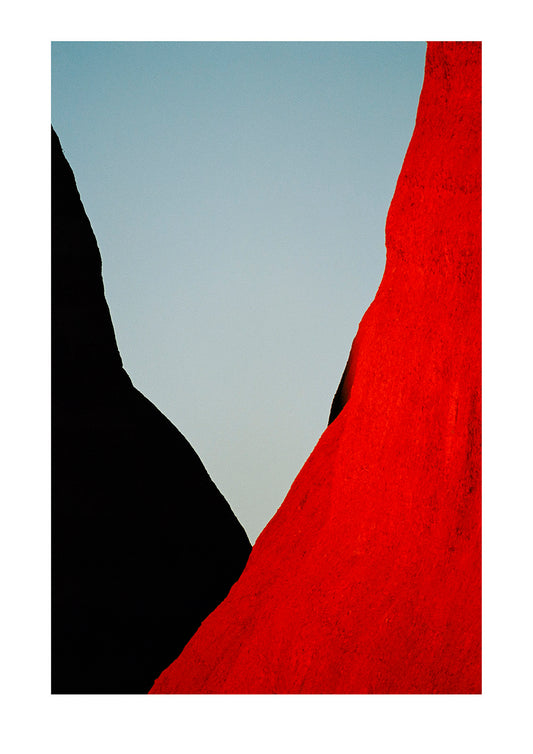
[144, 546]
[345, 385]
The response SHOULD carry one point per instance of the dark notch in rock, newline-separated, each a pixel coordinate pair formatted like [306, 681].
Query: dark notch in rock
[144, 546]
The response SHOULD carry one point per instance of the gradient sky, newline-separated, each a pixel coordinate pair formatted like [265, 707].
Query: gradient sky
[238, 193]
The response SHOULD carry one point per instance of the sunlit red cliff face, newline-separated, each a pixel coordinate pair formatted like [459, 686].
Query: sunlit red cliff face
[367, 580]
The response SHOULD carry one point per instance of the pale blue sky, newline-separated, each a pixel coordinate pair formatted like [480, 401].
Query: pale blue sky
[238, 193]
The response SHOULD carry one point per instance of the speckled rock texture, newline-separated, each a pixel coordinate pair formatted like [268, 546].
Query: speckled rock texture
[144, 546]
[368, 578]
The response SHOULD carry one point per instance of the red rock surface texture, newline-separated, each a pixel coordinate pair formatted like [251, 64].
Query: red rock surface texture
[368, 578]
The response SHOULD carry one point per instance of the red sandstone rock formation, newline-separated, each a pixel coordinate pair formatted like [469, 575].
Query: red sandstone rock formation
[367, 580]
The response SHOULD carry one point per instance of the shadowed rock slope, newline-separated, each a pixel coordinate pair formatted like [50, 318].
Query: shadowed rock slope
[144, 546]
[367, 580]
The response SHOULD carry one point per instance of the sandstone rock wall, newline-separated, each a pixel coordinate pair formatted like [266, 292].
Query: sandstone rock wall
[367, 580]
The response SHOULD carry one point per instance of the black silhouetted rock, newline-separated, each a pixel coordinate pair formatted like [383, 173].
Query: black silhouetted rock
[144, 546]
